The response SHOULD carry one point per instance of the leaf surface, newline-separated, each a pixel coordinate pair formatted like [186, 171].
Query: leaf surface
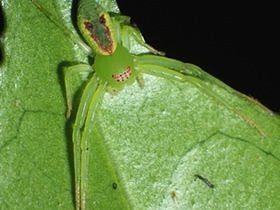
[147, 144]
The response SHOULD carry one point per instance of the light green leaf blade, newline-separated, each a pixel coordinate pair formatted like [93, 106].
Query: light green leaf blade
[150, 142]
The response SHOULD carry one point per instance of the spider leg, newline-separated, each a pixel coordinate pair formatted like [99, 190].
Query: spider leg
[80, 117]
[81, 131]
[85, 114]
[140, 80]
[131, 37]
[174, 70]
[195, 71]
[82, 69]
[88, 93]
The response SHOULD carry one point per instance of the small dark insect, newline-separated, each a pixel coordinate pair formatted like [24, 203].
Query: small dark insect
[209, 184]
[173, 195]
[114, 185]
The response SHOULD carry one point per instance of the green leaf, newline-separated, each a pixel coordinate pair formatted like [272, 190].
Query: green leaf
[149, 142]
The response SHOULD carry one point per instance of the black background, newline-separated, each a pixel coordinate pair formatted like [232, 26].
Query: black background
[237, 43]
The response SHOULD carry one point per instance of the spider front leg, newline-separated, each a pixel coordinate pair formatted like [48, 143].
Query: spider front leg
[81, 135]
[176, 70]
[92, 94]
[195, 71]
[130, 37]
[80, 119]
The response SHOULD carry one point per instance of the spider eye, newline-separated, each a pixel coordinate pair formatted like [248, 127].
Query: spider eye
[123, 76]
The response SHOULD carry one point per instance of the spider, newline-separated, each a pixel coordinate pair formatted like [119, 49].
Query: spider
[110, 40]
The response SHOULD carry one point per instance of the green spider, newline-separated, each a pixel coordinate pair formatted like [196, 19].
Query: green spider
[110, 37]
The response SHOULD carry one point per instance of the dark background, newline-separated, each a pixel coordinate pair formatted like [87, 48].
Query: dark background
[237, 43]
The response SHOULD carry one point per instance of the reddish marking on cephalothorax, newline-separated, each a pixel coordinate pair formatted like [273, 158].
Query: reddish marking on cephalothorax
[123, 76]
[90, 28]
